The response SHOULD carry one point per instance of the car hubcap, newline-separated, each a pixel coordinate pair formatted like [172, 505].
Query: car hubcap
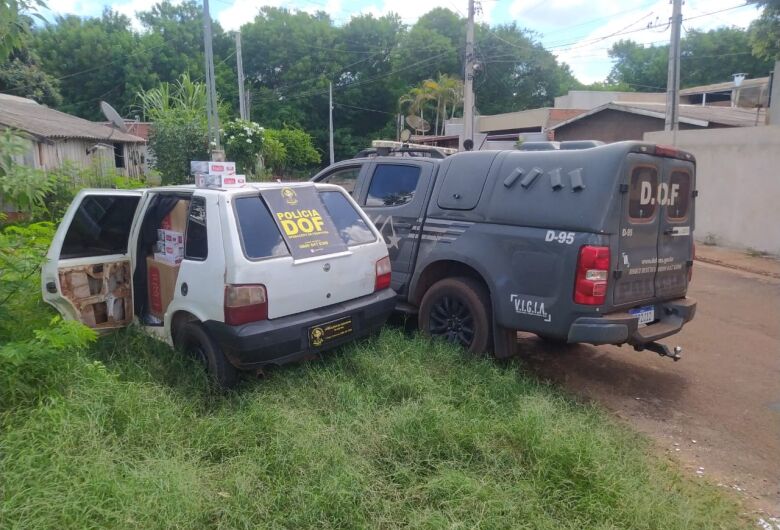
[198, 354]
[452, 319]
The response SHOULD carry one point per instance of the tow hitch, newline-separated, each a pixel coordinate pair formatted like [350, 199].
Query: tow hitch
[661, 349]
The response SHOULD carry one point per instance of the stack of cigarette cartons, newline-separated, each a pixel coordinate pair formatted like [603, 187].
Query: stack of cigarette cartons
[169, 247]
[216, 175]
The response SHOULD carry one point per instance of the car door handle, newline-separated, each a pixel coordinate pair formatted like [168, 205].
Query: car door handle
[669, 231]
[51, 287]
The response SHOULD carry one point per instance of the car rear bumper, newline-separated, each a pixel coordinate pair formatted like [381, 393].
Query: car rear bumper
[620, 328]
[286, 339]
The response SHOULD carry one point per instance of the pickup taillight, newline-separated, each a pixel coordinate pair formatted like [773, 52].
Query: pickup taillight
[590, 285]
[245, 303]
[383, 273]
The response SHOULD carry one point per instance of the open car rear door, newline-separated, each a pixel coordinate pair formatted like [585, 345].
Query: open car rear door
[87, 273]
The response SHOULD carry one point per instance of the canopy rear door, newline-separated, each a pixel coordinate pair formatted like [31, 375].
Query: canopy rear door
[675, 243]
[637, 256]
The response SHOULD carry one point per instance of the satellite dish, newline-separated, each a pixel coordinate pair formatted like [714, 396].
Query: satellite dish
[113, 116]
[406, 134]
[418, 124]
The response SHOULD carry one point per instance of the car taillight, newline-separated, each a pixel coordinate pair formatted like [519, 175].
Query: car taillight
[383, 270]
[693, 258]
[245, 303]
[590, 286]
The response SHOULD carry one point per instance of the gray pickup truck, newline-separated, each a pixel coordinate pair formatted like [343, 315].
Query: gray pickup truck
[591, 245]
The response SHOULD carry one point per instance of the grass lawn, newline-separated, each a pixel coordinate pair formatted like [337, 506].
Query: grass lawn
[395, 432]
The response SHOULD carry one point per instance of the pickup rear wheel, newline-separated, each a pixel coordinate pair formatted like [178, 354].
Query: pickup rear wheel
[458, 309]
[193, 340]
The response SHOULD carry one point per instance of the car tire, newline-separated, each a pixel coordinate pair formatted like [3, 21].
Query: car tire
[193, 340]
[458, 309]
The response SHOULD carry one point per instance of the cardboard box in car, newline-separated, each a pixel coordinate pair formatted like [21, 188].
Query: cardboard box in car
[212, 168]
[161, 282]
[176, 219]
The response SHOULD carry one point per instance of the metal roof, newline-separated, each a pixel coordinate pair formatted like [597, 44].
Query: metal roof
[723, 87]
[28, 116]
[701, 116]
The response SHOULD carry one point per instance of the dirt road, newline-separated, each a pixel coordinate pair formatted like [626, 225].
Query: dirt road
[717, 410]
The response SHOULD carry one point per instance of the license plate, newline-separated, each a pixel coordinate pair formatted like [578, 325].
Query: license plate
[322, 334]
[646, 314]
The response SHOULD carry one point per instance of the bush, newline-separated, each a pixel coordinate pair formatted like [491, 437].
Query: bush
[243, 142]
[175, 140]
[22, 250]
[299, 151]
[39, 367]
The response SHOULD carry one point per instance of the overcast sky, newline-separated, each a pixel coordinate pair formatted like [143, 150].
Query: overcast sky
[577, 31]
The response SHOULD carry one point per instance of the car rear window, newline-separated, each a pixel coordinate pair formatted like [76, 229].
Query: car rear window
[641, 193]
[100, 227]
[351, 226]
[259, 235]
[679, 195]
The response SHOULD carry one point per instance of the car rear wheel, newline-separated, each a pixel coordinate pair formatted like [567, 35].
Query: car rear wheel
[193, 340]
[458, 309]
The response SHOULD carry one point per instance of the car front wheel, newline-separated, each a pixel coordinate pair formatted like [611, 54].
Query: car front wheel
[458, 309]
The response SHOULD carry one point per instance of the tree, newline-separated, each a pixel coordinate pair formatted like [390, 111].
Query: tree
[95, 59]
[765, 31]
[642, 68]
[15, 23]
[706, 57]
[516, 72]
[179, 133]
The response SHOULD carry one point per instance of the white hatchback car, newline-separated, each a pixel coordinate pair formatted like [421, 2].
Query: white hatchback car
[263, 274]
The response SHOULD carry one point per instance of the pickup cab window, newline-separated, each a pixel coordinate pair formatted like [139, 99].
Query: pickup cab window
[392, 185]
[344, 177]
[351, 226]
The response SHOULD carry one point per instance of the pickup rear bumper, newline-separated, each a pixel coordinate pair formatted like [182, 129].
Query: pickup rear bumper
[621, 328]
[286, 339]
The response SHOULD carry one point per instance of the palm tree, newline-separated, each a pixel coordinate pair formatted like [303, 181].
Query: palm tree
[185, 95]
[450, 93]
[415, 101]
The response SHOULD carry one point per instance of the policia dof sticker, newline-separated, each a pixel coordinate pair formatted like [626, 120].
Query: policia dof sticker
[303, 221]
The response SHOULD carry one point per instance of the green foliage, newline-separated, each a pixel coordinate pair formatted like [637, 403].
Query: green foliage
[174, 141]
[22, 251]
[15, 22]
[94, 58]
[243, 143]
[765, 31]
[179, 133]
[185, 97]
[298, 147]
[706, 57]
[22, 75]
[274, 154]
[517, 73]
[41, 367]
[24, 187]
[394, 432]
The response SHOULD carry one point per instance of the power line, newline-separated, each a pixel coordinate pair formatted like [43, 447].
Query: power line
[337, 104]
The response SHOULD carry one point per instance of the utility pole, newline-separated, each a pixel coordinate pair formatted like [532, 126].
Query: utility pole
[330, 121]
[211, 90]
[673, 79]
[240, 67]
[468, 78]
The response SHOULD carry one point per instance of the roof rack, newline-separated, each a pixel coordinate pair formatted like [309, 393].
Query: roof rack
[388, 148]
